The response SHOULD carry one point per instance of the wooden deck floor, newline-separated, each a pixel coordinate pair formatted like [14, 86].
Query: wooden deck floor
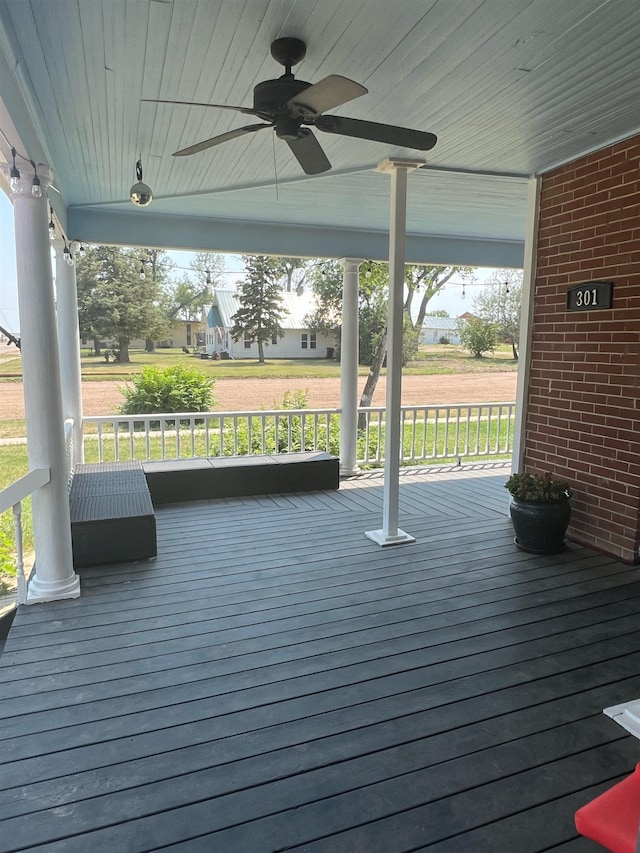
[275, 681]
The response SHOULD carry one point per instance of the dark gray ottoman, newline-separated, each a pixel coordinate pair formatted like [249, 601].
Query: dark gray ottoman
[112, 518]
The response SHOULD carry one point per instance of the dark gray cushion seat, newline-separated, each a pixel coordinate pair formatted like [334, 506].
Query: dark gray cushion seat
[112, 517]
[177, 480]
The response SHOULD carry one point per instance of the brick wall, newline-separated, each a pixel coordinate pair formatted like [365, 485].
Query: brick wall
[583, 420]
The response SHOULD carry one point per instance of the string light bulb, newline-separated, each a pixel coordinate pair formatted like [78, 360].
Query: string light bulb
[66, 254]
[36, 188]
[143, 275]
[140, 194]
[81, 250]
[52, 226]
[464, 293]
[14, 174]
[208, 272]
[506, 288]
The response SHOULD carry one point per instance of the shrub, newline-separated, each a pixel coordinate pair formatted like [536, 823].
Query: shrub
[7, 562]
[280, 433]
[170, 389]
[537, 488]
[444, 340]
[478, 336]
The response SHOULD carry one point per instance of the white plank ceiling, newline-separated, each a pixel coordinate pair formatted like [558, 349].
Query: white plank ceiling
[510, 87]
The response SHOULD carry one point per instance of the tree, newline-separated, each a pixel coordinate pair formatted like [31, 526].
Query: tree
[500, 303]
[326, 281]
[478, 336]
[421, 282]
[439, 313]
[186, 299]
[157, 264]
[294, 271]
[261, 312]
[208, 268]
[114, 301]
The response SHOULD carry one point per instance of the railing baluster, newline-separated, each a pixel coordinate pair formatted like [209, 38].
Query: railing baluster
[11, 498]
[20, 576]
[461, 431]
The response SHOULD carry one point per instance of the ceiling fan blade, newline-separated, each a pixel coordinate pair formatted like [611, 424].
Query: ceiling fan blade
[308, 152]
[218, 140]
[246, 110]
[326, 94]
[392, 135]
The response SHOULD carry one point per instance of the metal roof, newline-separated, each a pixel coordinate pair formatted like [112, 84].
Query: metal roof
[295, 307]
[510, 88]
[431, 322]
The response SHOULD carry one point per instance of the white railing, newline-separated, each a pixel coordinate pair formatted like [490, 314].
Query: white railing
[11, 498]
[467, 430]
[429, 433]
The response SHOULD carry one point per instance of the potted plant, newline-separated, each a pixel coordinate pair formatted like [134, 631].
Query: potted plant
[540, 511]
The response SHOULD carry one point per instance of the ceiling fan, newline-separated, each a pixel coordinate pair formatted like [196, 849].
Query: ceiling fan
[286, 104]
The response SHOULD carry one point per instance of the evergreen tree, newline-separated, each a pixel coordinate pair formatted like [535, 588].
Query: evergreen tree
[114, 301]
[261, 311]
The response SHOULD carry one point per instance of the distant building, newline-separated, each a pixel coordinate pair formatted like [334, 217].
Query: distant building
[299, 340]
[436, 328]
[183, 333]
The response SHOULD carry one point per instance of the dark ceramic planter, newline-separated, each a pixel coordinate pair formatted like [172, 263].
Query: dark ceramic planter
[540, 527]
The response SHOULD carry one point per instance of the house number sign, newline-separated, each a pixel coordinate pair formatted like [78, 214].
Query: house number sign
[590, 296]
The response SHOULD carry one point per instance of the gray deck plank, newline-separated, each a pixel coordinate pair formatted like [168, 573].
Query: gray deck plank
[274, 680]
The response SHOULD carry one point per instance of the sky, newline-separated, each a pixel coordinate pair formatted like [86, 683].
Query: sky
[450, 298]
[8, 291]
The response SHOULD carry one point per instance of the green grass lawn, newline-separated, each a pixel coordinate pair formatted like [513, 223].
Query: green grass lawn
[13, 465]
[433, 359]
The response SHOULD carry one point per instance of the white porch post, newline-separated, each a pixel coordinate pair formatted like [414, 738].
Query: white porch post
[54, 576]
[526, 321]
[349, 369]
[69, 346]
[390, 534]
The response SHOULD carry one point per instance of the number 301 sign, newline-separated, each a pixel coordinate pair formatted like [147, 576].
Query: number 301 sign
[590, 296]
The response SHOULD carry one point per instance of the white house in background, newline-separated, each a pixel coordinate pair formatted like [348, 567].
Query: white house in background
[435, 328]
[299, 340]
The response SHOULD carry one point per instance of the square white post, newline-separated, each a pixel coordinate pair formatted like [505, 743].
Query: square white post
[390, 534]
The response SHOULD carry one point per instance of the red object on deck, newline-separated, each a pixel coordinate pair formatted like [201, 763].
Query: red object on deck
[612, 819]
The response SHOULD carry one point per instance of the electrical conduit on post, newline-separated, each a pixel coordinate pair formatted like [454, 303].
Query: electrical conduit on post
[69, 345]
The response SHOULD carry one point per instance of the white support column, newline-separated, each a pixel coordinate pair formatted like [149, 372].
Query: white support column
[349, 369]
[54, 576]
[526, 322]
[390, 534]
[69, 345]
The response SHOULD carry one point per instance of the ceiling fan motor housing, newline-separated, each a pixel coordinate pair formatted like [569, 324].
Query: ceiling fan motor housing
[271, 96]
